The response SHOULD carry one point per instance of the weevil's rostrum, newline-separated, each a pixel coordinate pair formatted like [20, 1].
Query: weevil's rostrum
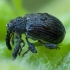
[38, 26]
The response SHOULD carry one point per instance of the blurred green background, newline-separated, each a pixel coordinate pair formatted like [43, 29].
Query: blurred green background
[45, 59]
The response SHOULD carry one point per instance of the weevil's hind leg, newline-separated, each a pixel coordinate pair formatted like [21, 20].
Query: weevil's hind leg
[31, 47]
[50, 45]
[8, 37]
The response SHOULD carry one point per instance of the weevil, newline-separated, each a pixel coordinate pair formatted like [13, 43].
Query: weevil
[37, 26]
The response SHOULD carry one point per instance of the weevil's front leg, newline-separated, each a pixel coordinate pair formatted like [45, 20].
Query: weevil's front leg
[16, 49]
[22, 43]
[50, 45]
[31, 47]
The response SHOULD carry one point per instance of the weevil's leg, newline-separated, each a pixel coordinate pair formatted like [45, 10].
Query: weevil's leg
[16, 38]
[21, 46]
[50, 45]
[22, 43]
[31, 47]
[16, 49]
[8, 39]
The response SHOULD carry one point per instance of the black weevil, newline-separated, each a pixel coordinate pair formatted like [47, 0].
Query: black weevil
[39, 26]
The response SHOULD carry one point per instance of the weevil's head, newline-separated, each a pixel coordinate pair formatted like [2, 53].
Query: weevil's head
[17, 25]
[10, 25]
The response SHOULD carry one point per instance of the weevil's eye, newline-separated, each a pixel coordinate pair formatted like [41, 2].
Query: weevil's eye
[7, 25]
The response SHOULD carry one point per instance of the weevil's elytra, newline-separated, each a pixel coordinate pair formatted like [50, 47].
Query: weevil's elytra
[51, 28]
[39, 26]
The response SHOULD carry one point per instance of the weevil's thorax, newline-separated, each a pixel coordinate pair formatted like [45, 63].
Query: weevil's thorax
[17, 25]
